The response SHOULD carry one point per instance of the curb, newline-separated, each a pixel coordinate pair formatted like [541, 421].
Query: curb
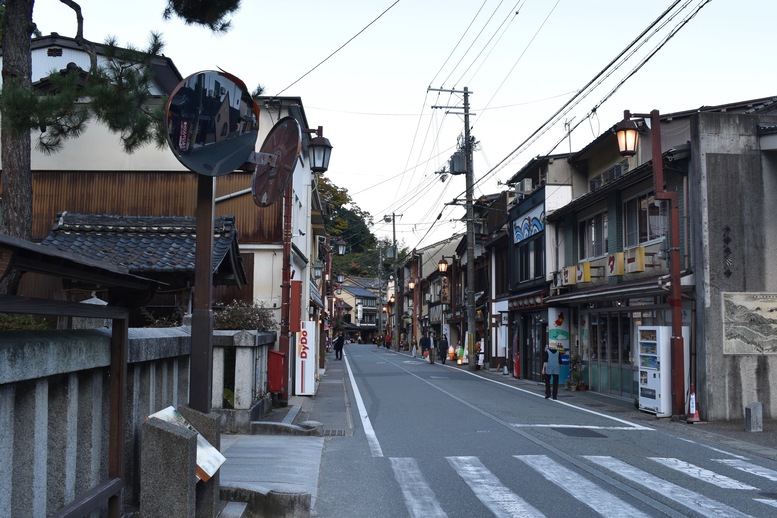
[305, 428]
[269, 502]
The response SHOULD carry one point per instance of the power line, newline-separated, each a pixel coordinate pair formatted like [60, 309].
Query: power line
[338, 49]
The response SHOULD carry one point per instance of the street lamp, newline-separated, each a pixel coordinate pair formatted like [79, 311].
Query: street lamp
[318, 269]
[411, 284]
[340, 244]
[442, 266]
[626, 132]
[340, 277]
[319, 151]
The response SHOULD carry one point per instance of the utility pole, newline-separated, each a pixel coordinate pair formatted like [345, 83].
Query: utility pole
[469, 304]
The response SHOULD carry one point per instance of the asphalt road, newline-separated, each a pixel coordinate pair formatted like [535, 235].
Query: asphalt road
[434, 441]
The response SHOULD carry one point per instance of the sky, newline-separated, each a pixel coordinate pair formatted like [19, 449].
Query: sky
[364, 71]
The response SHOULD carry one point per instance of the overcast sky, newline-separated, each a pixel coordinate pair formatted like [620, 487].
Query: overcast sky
[522, 61]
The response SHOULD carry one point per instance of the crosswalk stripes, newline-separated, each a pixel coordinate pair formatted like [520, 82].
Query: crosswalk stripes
[706, 475]
[490, 490]
[418, 496]
[585, 491]
[504, 502]
[681, 495]
[750, 468]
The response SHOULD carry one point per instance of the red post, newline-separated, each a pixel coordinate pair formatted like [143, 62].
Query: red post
[675, 294]
[284, 340]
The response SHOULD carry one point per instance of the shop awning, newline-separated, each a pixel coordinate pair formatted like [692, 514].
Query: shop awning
[647, 288]
[315, 296]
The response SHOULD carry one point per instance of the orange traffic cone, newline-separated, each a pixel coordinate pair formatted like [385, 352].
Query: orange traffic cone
[694, 410]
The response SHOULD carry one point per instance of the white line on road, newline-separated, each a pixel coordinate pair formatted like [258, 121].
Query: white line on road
[490, 490]
[580, 487]
[685, 497]
[599, 414]
[583, 426]
[747, 467]
[418, 496]
[724, 452]
[699, 473]
[372, 439]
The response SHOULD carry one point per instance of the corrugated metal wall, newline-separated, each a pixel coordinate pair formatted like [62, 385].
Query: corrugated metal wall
[148, 194]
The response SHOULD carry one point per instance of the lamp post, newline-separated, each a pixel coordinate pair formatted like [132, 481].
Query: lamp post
[442, 267]
[319, 153]
[390, 319]
[628, 138]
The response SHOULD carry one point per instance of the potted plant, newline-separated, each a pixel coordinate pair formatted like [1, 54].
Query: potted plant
[575, 380]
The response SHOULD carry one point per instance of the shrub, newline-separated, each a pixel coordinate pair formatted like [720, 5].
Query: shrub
[18, 322]
[172, 320]
[244, 315]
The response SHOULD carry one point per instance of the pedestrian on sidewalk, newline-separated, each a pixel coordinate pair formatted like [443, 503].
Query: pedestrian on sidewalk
[339, 343]
[551, 367]
[442, 348]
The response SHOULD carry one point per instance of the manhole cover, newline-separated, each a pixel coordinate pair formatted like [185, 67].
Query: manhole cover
[579, 432]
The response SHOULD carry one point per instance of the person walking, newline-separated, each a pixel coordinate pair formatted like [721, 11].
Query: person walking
[339, 343]
[551, 367]
[442, 348]
[425, 344]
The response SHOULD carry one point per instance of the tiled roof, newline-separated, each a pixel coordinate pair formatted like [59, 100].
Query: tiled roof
[152, 246]
[358, 291]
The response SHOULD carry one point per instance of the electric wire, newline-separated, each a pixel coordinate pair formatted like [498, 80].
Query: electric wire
[339, 48]
[459, 42]
[473, 41]
[639, 65]
[581, 93]
[511, 16]
[526, 48]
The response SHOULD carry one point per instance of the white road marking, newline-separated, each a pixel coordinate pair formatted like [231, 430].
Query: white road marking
[369, 432]
[490, 490]
[418, 496]
[588, 427]
[580, 487]
[685, 497]
[724, 452]
[536, 394]
[766, 501]
[747, 467]
[705, 475]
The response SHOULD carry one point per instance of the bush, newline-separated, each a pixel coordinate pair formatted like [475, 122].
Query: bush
[151, 320]
[17, 322]
[244, 315]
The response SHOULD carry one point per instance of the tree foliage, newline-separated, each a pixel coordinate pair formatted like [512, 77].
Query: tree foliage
[366, 255]
[210, 13]
[117, 94]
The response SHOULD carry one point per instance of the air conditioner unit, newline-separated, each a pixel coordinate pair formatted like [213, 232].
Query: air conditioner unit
[525, 186]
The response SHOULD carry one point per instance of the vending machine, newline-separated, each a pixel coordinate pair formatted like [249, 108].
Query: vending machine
[655, 368]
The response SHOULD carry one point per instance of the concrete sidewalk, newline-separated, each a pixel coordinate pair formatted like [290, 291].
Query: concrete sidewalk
[278, 474]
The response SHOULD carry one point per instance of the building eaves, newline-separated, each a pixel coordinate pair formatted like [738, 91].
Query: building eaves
[152, 246]
[534, 164]
[760, 105]
[638, 174]
[358, 291]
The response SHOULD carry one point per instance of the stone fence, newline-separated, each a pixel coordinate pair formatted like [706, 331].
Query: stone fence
[54, 405]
